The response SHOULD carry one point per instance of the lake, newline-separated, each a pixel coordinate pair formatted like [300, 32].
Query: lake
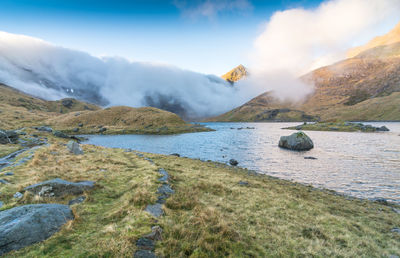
[364, 165]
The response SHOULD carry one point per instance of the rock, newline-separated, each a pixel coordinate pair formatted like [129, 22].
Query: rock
[58, 188]
[243, 183]
[44, 129]
[382, 129]
[25, 225]
[3, 181]
[233, 162]
[381, 201]
[156, 234]
[145, 243]
[298, 127]
[18, 195]
[77, 114]
[78, 200]
[8, 137]
[309, 157]
[144, 254]
[60, 134]
[155, 209]
[80, 124]
[297, 141]
[164, 174]
[395, 230]
[396, 210]
[74, 148]
[175, 154]
[9, 174]
[67, 103]
[165, 190]
[1, 204]
[333, 128]
[102, 130]
[75, 130]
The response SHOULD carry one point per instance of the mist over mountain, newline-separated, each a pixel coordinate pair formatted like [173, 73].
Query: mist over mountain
[51, 72]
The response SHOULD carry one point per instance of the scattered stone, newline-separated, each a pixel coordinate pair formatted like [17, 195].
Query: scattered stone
[156, 234]
[309, 157]
[78, 200]
[18, 195]
[8, 137]
[381, 201]
[60, 134]
[164, 174]
[243, 183]
[145, 243]
[382, 129]
[395, 230]
[297, 141]
[58, 187]
[102, 130]
[74, 148]
[67, 103]
[233, 162]
[155, 209]
[144, 254]
[77, 114]
[3, 181]
[9, 174]
[25, 225]
[175, 154]
[80, 124]
[44, 129]
[75, 130]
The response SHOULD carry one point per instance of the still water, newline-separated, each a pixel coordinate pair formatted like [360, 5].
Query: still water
[365, 165]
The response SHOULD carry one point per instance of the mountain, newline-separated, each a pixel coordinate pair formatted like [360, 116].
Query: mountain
[365, 87]
[235, 74]
[392, 37]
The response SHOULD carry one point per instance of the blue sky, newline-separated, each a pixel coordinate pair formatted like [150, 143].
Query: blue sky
[204, 36]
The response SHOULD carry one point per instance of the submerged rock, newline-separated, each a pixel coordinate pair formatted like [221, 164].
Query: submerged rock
[58, 188]
[74, 148]
[297, 141]
[29, 224]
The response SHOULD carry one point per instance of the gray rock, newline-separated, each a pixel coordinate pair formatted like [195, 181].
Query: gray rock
[58, 188]
[67, 103]
[333, 128]
[164, 174]
[80, 124]
[309, 157]
[1, 204]
[233, 162]
[75, 130]
[156, 233]
[165, 189]
[29, 224]
[74, 148]
[8, 137]
[297, 141]
[381, 201]
[18, 195]
[44, 129]
[102, 130]
[144, 254]
[175, 154]
[78, 200]
[3, 181]
[145, 244]
[396, 210]
[77, 114]
[9, 174]
[382, 129]
[155, 209]
[395, 230]
[243, 183]
[60, 134]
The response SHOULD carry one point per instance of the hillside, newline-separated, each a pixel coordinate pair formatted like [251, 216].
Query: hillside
[235, 74]
[343, 90]
[392, 37]
[122, 119]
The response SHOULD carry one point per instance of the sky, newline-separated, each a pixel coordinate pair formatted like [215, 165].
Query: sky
[205, 36]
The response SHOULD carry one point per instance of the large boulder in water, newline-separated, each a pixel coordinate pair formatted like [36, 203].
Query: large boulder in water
[25, 225]
[58, 188]
[297, 141]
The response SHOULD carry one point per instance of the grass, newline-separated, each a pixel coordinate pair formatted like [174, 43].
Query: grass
[6, 149]
[334, 126]
[210, 214]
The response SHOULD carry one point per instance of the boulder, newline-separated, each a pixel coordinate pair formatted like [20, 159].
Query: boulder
[60, 134]
[297, 141]
[382, 129]
[25, 225]
[8, 137]
[44, 129]
[67, 103]
[102, 130]
[75, 130]
[74, 148]
[58, 188]
[233, 162]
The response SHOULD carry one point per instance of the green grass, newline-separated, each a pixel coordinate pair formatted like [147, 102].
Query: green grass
[210, 214]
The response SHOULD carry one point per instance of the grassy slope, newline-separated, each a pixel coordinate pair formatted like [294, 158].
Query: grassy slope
[123, 119]
[210, 215]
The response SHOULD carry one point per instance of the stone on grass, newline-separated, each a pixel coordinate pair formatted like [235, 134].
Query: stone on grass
[297, 141]
[8, 137]
[60, 134]
[233, 162]
[78, 200]
[74, 148]
[25, 225]
[155, 209]
[18, 195]
[144, 254]
[58, 188]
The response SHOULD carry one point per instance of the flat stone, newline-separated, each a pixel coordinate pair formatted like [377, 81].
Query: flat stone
[144, 254]
[78, 200]
[155, 209]
[25, 225]
[145, 244]
[243, 183]
[164, 174]
[165, 189]
[18, 195]
[58, 188]
[3, 181]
